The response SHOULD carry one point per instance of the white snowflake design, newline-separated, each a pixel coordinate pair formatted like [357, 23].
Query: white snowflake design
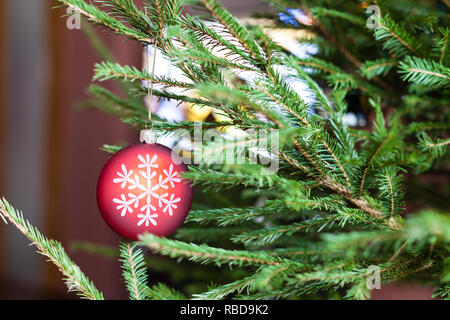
[141, 190]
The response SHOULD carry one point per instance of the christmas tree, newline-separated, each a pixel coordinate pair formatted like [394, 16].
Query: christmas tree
[316, 205]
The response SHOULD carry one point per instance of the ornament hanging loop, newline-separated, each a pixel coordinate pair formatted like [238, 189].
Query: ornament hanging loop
[148, 135]
[150, 87]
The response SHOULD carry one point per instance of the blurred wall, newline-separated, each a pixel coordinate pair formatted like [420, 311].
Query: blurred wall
[26, 118]
[3, 82]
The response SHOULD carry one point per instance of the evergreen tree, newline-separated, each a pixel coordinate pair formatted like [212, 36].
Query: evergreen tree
[334, 209]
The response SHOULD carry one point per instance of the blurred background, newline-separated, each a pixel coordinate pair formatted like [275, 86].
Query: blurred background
[50, 153]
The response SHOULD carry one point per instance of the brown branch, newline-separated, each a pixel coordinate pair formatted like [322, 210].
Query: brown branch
[160, 22]
[358, 202]
[398, 251]
[342, 190]
[436, 74]
[308, 157]
[434, 145]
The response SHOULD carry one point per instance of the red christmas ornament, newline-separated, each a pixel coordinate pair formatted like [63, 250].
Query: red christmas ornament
[140, 190]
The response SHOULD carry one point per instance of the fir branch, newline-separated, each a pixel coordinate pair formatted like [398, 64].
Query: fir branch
[98, 16]
[391, 192]
[425, 72]
[395, 37]
[327, 34]
[169, 127]
[342, 190]
[111, 149]
[326, 280]
[230, 216]
[440, 50]
[210, 235]
[207, 254]
[370, 161]
[126, 9]
[227, 289]
[437, 149]
[134, 270]
[308, 251]
[205, 57]
[292, 62]
[215, 40]
[209, 177]
[337, 275]
[359, 202]
[109, 70]
[181, 98]
[420, 230]
[53, 250]
[269, 235]
[234, 27]
[379, 67]
[427, 126]
[114, 103]
[320, 65]
[389, 185]
[158, 12]
[163, 292]
[272, 277]
[305, 122]
[244, 96]
[221, 150]
[444, 44]
[444, 291]
[381, 140]
[319, 12]
[359, 291]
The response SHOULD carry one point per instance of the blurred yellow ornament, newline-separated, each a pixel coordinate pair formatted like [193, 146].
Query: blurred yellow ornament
[194, 112]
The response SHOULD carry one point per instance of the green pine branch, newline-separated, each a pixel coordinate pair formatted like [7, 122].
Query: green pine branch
[100, 17]
[134, 271]
[74, 278]
[207, 254]
[109, 70]
[437, 148]
[425, 72]
[319, 12]
[396, 38]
